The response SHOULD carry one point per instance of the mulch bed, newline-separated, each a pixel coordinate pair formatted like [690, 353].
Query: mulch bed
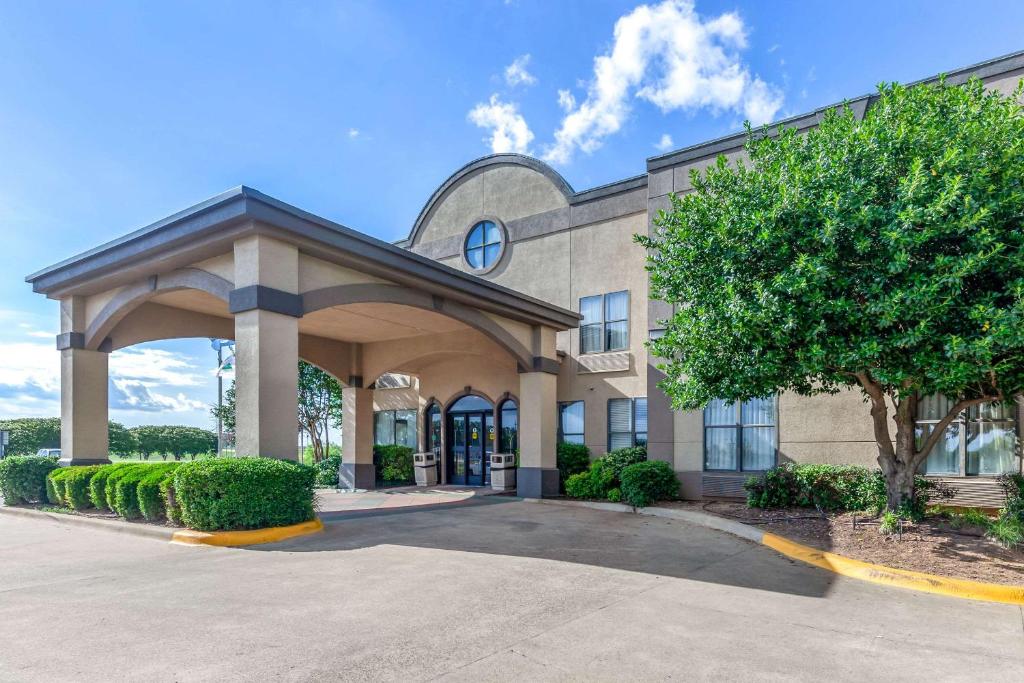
[931, 546]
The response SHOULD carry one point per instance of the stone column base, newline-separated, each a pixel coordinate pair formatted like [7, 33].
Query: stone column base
[537, 482]
[357, 476]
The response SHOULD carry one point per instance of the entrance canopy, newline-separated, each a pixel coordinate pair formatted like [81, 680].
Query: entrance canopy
[285, 284]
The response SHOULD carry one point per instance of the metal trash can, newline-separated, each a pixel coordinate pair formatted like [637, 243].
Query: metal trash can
[425, 465]
[503, 471]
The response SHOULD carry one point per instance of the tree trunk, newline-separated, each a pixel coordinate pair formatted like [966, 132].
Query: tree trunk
[899, 485]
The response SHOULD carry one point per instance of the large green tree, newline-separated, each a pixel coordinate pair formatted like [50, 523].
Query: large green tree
[885, 254]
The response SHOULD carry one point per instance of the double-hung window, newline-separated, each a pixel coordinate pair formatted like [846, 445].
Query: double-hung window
[740, 437]
[605, 324]
[627, 422]
[981, 441]
[570, 422]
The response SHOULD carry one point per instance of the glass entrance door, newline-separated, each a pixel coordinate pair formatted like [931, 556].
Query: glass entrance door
[471, 438]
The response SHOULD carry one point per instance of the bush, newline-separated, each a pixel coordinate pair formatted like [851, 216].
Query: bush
[76, 486]
[622, 458]
[110, 488]
[170, 500]
[23, 478]
[243, 493]
[98, 484]
[128, 492]
[615, 495]
[327, 471]
[151, 499]
[646, 482]
[55, 486]
[394, 464]
[595, 482]
[571, 458]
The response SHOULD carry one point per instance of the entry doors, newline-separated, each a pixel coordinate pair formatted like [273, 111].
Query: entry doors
[472, 443]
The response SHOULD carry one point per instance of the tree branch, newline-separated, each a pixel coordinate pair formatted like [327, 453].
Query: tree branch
[879, 413]
[939, 430]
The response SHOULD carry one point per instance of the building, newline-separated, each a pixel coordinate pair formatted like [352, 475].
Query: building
[513, 316]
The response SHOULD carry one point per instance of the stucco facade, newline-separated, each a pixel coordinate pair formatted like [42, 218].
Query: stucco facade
[493, 295]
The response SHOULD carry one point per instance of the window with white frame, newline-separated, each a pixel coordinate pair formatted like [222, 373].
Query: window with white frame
[605, 324]
[980, 442]
[570, 422]
[740, 436]
[394, 427]
[627, 422]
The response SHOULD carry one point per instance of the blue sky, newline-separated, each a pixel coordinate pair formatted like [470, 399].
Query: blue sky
[113, 115]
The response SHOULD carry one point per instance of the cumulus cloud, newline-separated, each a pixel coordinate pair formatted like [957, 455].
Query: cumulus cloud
[509, 131]
[566, 100]
[517, 74]
[673, 58]
[135, 395]
[665, 143]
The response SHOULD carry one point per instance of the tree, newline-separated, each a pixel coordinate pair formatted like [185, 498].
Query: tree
[885, 254]
[319, 405]
[121, 440]
[29, 434]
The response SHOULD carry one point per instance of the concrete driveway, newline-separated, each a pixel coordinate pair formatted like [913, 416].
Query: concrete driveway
[489, 589]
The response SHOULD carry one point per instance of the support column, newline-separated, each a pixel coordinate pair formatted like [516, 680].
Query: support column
[538, 435]
[267, 309]
[357, 471]
[83, 391]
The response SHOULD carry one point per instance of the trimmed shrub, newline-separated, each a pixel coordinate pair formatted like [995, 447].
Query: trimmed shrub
[571, 458]
[394, 464]
[170, 500]
[327, 471]
[151, 500]
[621, 458]
[243, 493]
[646, 482]
[615, 495]
[55, 485]
[23, 478]
[125, 501]
[76, 486]
[98, 484]
[110, 487]
[596, 482]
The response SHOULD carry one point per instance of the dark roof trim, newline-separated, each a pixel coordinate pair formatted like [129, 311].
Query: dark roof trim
[571, 196]
[991, 67]
[243, 210]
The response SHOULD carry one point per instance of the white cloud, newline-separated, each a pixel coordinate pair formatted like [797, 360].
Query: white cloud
[665, 143]
[566, 100]
[670, 56]
[516, 73]
[134, 395]
[353, 133]
[509, 131]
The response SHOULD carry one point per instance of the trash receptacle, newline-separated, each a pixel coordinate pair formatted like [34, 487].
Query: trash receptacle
[503, 471]
[426, 469]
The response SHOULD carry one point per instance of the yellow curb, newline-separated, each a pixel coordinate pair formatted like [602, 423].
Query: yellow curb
[900, 578]
[246, 537]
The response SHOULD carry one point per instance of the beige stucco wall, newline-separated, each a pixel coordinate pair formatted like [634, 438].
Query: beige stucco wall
[316, 273]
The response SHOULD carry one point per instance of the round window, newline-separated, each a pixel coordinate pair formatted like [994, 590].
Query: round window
[483, 245]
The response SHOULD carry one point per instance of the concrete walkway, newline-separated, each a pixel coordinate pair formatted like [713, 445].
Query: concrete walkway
[331, 501]
[487, 589]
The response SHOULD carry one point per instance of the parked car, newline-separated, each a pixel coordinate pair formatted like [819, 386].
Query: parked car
[48, 452]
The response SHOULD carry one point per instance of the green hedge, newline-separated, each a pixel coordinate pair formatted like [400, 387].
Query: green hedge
[55, 486]
[23, 479]
[603, 478]
[394, 465]
[571, 458]
[76, 485]
[98, 484]
[833, 488]
[243, 493]
[151, 497]
[646, 482]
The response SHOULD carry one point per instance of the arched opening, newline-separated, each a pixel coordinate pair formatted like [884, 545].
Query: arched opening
[508, 426]
[471, 441]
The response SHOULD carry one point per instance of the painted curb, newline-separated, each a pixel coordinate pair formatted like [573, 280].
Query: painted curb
[116, 525]
[228, 539]
[838, 564]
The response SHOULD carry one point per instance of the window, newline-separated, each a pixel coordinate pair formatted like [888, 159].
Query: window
[391, 427]
[627, 422]
[982, 441]
[740, 436]
[570, 422]
[483, 245]
[433, 426]
[508, 427]
[605, 324]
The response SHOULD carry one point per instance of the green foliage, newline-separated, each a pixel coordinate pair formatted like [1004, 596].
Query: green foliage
[226, 411]
[152, 503]
[1007, 531]
[319, 405]
[243, 493]
[76, 486]
[327, 470]
[646, 482]
[1013, 487]
[55, 486]
[595, 482]
[110, 487]
[23, 479]
[886, 253]
[571, 458]
[622, 458]
[170, 500]
[125, 500]
[98, 484]
[173, 440]
[890, 523]
[833, 488]
[615, 495]
[29, 434]
[394, 464]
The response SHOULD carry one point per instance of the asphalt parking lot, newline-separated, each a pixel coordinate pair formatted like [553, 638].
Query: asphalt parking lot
[487, 589]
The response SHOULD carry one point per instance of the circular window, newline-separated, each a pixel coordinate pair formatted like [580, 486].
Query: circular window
[484, 245]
